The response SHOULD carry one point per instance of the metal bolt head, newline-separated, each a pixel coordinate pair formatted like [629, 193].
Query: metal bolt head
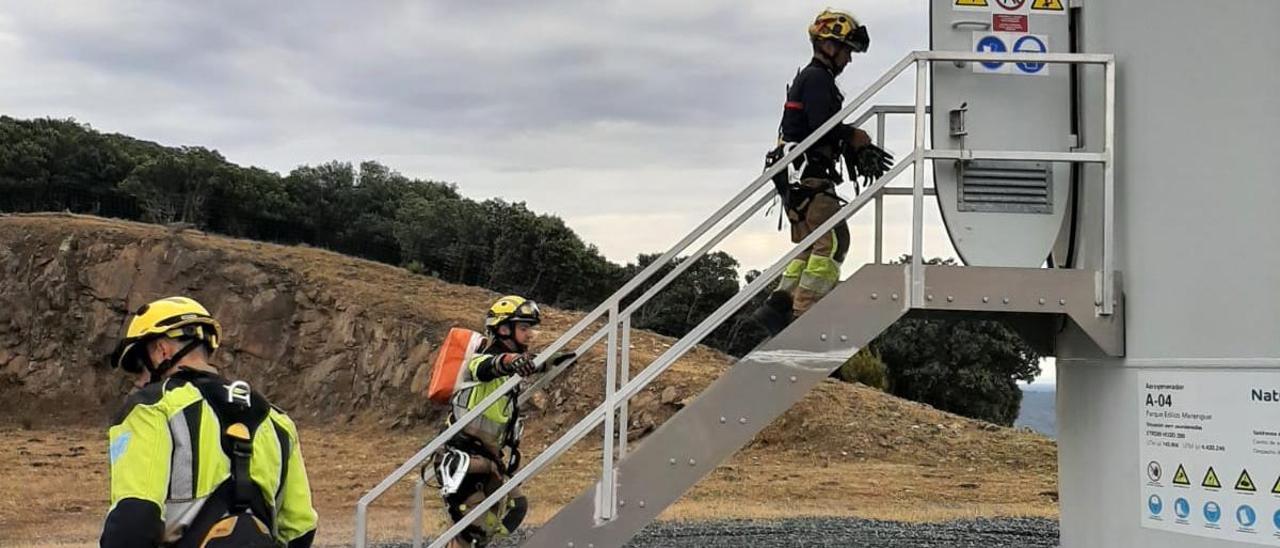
[894, 296]
[986, 299]
[570, 545]
[692, 462]
[672, 461]
[1062, 302]
[622, 502]
[642, 504]
[844, 338]
[1041, 300]
[742, 420]
[773, 378]
[793, 378]
[1005, 300]
[928, 297]
[722, 420]
[822, 337]
[875, 296]
[950, 298]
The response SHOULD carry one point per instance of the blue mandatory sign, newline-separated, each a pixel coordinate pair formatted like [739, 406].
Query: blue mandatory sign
[1276, 519]
[991, 44]
[1245, 515]
[1030, 44]
[1155, 505]
[1182, 508]
[1212, 512]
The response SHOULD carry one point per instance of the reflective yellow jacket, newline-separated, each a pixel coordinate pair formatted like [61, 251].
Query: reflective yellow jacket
[170, 475]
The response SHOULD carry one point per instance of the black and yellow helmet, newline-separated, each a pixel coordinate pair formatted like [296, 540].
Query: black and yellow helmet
[173, 317]
[512, 309]
[841, 27]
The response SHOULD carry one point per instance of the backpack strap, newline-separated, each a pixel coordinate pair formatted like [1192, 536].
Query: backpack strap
[241, 442]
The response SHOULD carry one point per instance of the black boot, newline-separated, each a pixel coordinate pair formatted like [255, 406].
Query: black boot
[775, 314]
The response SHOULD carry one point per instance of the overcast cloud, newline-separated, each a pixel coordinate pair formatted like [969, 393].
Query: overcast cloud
[631, 120]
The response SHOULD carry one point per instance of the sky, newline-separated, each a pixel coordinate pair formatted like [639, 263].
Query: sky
[632, 121]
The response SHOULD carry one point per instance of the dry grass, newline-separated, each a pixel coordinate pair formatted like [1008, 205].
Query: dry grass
[842, 451]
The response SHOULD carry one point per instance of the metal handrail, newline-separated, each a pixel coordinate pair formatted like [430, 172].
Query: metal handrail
[615, 400]
[733, 203]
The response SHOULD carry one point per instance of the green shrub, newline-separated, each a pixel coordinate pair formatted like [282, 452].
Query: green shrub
[867, 368]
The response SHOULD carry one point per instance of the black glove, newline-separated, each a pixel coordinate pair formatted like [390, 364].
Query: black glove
[561, 358]
[519, 363]
[869, 162]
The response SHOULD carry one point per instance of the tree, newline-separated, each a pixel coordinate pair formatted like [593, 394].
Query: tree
[968, 367]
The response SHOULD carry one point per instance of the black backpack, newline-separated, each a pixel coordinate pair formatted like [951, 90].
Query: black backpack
[236, 514]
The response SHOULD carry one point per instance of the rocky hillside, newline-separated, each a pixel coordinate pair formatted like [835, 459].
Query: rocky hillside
[324, 335]
[345, 346]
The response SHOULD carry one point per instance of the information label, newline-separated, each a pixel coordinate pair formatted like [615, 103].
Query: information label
[1210, 453]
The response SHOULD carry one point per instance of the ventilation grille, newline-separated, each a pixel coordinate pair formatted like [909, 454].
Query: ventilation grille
[1006, 186]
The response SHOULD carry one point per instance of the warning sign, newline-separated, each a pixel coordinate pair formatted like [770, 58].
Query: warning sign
[1218, 434]
[972, 5]
[1245, 483]
[1001, 22]
[1211, 480]
[1011, 5]
[1180, 477]
[1047, 5]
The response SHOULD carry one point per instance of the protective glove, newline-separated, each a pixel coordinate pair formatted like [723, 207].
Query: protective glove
[869, 162]
[520, 364]
[561, 358]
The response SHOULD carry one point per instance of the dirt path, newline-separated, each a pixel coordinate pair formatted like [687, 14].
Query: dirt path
[55, 483]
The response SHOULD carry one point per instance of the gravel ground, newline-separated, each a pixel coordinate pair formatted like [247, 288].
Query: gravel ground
[851, 532]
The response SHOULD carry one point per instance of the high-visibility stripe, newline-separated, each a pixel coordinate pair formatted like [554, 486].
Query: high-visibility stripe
[282, 438]
[793, 105]
[182, 460]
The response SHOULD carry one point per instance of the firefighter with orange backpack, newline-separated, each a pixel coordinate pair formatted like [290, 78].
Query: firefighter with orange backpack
[486, 453]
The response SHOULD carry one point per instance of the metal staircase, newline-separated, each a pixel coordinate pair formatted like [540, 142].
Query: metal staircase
[635, 486]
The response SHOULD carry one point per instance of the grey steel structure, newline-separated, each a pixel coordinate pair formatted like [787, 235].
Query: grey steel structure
[636, 485]
[1196, 237]
[1171, 169]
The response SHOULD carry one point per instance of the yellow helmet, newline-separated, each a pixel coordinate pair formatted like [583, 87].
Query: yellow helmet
[841, 27]
[512, 309]
[173, 317]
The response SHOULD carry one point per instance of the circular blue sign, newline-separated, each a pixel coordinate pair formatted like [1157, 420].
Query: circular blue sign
[1212, 512]
[1030, 44]
[1246, 516]
[1182, 508]
[1276, 519]
[1155, 505]
[991, 44]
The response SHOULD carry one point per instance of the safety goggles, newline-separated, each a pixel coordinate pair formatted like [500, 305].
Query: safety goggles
[858, 40]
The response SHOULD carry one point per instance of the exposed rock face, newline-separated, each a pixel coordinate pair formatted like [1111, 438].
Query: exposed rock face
[66, 286]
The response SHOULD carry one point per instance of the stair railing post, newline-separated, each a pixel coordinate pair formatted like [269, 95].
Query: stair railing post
[880, 197]
[623, 406]
[606, 502]
[917, 190]
[1109, 190]
[417, 512]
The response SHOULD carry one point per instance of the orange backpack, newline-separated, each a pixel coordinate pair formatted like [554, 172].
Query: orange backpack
[459, 346]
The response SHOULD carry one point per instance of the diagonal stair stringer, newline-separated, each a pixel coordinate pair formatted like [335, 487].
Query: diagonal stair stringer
[737, 406]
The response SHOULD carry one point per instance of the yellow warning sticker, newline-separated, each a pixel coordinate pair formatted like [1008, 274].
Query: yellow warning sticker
[1245, 483]
[1275, 489]
[1211, 480]
[963, 4]
[1180, 477]
[1046, 5]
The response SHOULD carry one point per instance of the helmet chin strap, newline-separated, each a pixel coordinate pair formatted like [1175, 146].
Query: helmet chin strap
[160, 369]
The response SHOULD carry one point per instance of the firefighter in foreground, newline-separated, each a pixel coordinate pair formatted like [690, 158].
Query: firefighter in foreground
[807, 187]
[196, 459]
[486, 453]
